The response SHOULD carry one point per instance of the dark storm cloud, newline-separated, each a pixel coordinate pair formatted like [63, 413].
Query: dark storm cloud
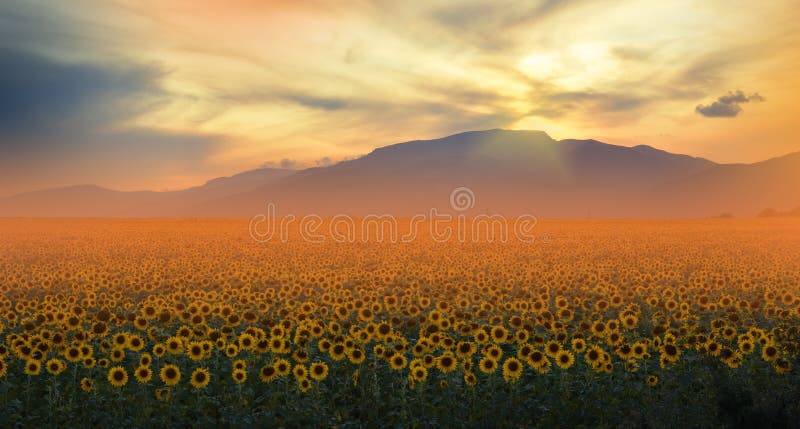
[40, 97]
[727, 106]
[63, 121]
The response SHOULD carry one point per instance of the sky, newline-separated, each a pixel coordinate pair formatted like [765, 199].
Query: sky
[168, 94]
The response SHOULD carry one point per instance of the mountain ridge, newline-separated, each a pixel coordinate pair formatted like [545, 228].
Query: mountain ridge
[510, 172]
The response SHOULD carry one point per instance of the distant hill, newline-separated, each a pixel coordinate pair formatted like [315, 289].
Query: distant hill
[775, 213]
[509, 172]
[94, 201]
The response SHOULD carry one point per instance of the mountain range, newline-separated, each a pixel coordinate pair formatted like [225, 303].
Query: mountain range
[508, 172]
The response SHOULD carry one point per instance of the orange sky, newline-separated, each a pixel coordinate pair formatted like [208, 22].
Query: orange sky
[166, 94]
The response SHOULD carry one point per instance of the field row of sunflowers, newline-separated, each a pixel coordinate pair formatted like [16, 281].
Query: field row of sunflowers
[156, 323]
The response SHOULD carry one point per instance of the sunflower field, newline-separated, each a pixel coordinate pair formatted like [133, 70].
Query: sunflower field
[191, 323]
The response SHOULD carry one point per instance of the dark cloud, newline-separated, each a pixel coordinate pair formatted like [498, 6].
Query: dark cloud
[305, 99]
[323, 162]
[65, 122]
[557, 104]
[324, 103]
[609, 102]
[285, 163]
[727, 106]
[41, 97]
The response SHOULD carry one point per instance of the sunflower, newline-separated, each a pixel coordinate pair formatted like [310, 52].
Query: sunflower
[465, 349]
[493, 352]
[782, 366]
[170, 374]
[300, 356]
[499, 334]
[268, 373]
[524, 351]
[143, 374]
[299, 371]
[246, 341]
[512, 369]
[174, 345]
[746, 347]
[239, 376]
[552, 348]
[55, 366]
[318, 371]
[630, 321]
[159, 350]
[487, 365]
[594, 356]
[200, 378]
[117, 376]
[304, 385]
[564, 359]
[398, 362]
[652, 380]
[446, 363]
[231, 351]
[117, 355]
[536, 359]
[87, 384]
[145, 359]
[382, 330]
[3, 368]
[120, 340]
[135, 343]
[73, 354]
[428, 361]
[670, 353]
[638, 350]
[419, 373]
[470, 379]
[599, 329]
[338, 351]
[614, 338]
[625, 351]
[240, 364]
[324, 345]
[282, 367]
[356, 355]
[195, 351]
[578, 345]
[162, 395]
[769, 353]
[33, 367]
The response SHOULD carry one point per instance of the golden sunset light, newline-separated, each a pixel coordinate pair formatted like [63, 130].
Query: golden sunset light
[183, 91]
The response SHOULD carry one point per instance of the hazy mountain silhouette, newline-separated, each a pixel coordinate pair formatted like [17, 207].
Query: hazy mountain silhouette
[509, 172]
[94, 201]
